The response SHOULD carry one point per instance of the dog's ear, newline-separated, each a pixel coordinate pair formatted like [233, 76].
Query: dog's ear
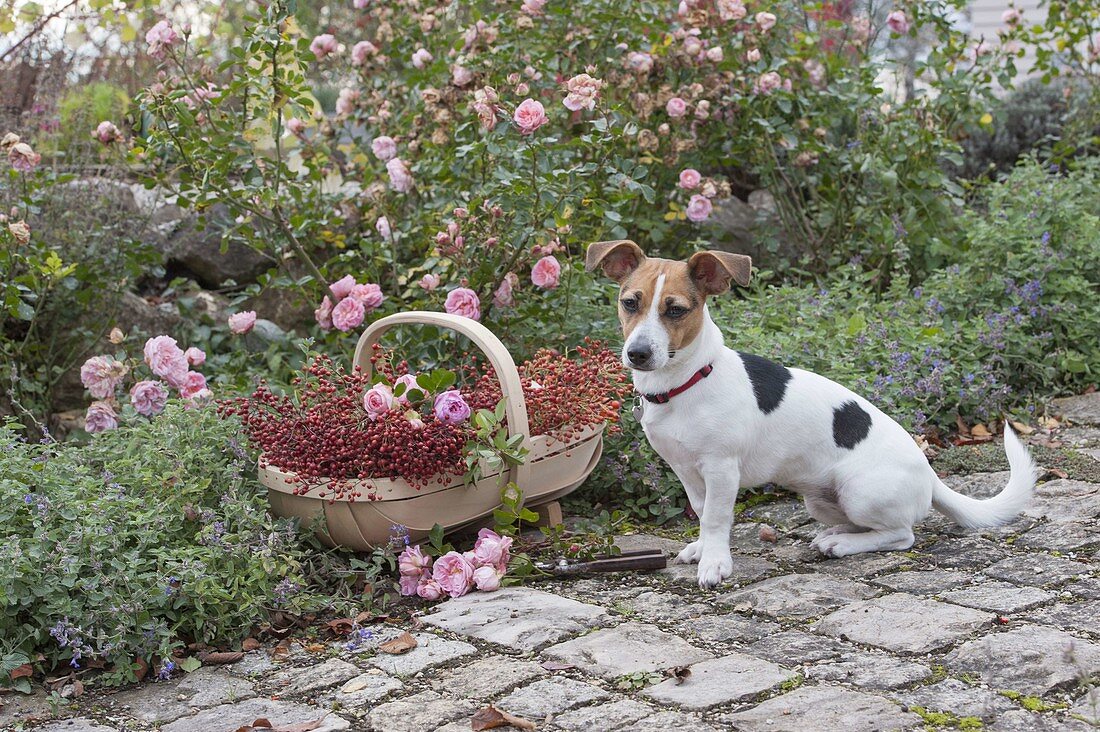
[712, 271]
[617, 258]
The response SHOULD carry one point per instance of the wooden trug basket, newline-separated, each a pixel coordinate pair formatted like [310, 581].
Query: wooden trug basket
[552, 469]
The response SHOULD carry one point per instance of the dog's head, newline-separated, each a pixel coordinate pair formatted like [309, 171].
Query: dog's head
[661, 301]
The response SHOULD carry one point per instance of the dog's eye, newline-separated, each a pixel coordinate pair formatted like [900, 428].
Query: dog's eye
[629, 304]
[675, 311]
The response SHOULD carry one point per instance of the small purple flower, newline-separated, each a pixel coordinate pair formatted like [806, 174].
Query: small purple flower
[451, 408]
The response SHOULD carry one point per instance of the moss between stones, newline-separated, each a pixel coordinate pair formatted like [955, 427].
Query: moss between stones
[940, 720]
[1032, 703]
[990, 457]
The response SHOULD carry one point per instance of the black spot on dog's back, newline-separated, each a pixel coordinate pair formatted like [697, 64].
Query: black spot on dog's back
[769, 381]
[850, 424]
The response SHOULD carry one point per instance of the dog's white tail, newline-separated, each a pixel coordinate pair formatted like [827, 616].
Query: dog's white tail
[1001, 508]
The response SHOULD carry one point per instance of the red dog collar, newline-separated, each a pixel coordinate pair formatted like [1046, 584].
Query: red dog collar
[695, 379]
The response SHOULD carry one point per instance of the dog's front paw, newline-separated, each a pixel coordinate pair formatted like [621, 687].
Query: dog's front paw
[713, 568]
[690, 554]
[836, 545]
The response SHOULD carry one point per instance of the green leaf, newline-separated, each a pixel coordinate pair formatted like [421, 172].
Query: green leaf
[190, 664]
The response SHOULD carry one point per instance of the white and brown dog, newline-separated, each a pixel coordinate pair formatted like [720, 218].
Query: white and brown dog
[724, 419]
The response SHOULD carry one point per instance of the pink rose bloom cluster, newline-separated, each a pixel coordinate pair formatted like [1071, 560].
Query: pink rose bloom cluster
[729, 10]
[421, 58]
[699, 206]
[106, 132]
[503, 297]
[639, 62]
[463, 301]
[241, 323]
[769, 81]
[160, 38]
[23, 157]
[546, 273]
[582, 91]
[897, 22]
[361, 51]
[401, 179]
[354, 302]
[324, 46]
[529, 116]
[455, 574]
[384, 148]
[101, 375]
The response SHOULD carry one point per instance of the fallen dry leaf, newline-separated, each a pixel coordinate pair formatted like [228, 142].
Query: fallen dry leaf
[963, 429]
[251, 644]
[980, 430]
[265, 724]
[281, 650]
[490, 718]
[679, 673]
[20, 671]
[142, 668]
[767, 533]
[557, 666]
[340, 626]
[367, 618]
[1021, 428]
[217, 658]
[357, 684]
[316, 647]
[401, 644]
[1054, 473]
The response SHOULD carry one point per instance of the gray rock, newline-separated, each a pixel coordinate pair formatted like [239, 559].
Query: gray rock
[962, 700]
[862, 566]
[1066, 500]
[638, 542]
[1079, 437]
[666, 721]
[603, 716]
[903, 623]
[925, 581]
[517, 617]
[998, 597]
[232, 716]
[169, 700]
[663, 607]
[869, 671]
[487, 677]
[78, 724]
[1088, 706]
[798, 595]
[1080, 616]
[627, 648]
[539, 699]
[1023, 721]
[969, 552]
[1037, 570]
[731, 678]
[16, 707]
[363, 690]
[312, 678]
[194, 244]
[1067, 536]
[824, 708]
[431, 650]
[1083, 409]
[795, 647]
[426, 710]
[1030, 659]
[780, 515]
[745, 569]
[254, 662]
[727, 629]
[1086, 588]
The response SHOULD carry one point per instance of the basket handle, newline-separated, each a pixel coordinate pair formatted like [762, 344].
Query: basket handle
[515, 406]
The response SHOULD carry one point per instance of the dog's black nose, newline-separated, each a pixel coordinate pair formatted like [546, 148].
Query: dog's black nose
[639, 356]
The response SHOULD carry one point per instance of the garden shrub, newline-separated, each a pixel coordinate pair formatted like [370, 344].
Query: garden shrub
[150, 537]
[79, 111]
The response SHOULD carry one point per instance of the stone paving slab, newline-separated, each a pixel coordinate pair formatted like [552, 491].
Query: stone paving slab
[362, 691]
[655, 606]
[296, 680]
[603, 716]
[490, 676]
[824, 708]
[431, 650]
[903, 623]
[958, 698]
[517, 617]
[732, 678]
[796, 647]
[1081, 409]
[798, 595]
[863, 566]
[968, 553]
[668, 721]
[1083, 617]
[540, 699]
[745, 570]
[231, 716]
[1086, 588]
[626, 649]
[998, 597]
[1069, 536]
[1038, 570]
[79, 724]
[1030, 659]
[1088, 706]
[166, 701]
[416, 713]
[925, 581]
[728, 629]
[1065, 500]
[868, 670]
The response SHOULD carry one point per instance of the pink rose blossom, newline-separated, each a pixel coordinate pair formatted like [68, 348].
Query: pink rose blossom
[412, 562]
[815, 72]
[323, 314]
[898, 22]
[106, 132]
[400, 177]
[361, 51]
[492, 549]
[382, 226]
[408, 584]
[384, 148]
[421, 58]
[1010, 16]
[731, 9]
[100, 418]
[463, 301]
[348, 314]
[377, 401]
[461, 76]
[454, 574]
[148, 397]
[347, 101]
[23, 157]
[429, 282]
[693, 46]
[324, 45]
[582, 92]
[487, 579]
[166, 360]
[765, 21]
[639, 62]
[546, 273]
[193, 384]
[699, 208]
[861, 27]
[409, 380]
[768, 82]
[676, 107]
[753, 55]
[241, 323]
[295, 126]
[360, 4]
[101, 375]
[690, 179]
[195, 356]
[529, 116]
[533, 8]
[503, 297]
[160, 38]
[342, 287]
[369, 294]
[715, 54]
[450, 407]
[428, 588]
